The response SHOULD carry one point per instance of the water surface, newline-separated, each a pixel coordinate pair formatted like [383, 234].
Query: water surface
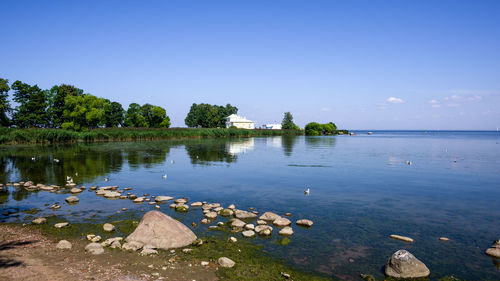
[361, 191]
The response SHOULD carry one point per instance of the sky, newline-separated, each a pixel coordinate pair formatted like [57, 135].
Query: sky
[422, 64]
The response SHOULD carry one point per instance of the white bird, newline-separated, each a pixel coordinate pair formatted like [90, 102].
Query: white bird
[172, 161]
[68, 177]
[408, 162]
[164, 176]
[76, 174]
[56, 160]
[106, 179]
[307, 191]
[33, 158]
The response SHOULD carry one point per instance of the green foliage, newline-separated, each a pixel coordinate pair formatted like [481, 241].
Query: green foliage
[133, 117]
[4, 102]
[57, 104]
[156, 117]
[114, 114]
[84, 112]
[209, 116]
[32, 109]
[316, 129]
[287, 123]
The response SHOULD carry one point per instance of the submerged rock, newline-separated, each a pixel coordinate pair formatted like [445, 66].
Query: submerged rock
[225, 262]
[304, 222]
[402, 264]
[286, 231]
[161, 231]
[39, 220]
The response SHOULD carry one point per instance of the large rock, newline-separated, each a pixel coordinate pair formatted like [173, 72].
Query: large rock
[494, 250]
[282, 222]
[269, 216]
[240, 214]
[94, 248]
[402, 264]
[162, 232]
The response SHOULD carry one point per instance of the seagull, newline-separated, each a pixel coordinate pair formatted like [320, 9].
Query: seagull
[106, 179]
[33, 158]
[164, 176]
[172, 161]
[56, 160]
[306, 192]
[76, 174]
[408, 162]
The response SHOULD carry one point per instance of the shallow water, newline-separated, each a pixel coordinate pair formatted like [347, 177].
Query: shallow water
[361, 191]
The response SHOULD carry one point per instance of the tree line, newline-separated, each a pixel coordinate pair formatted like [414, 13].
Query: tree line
[67, 107]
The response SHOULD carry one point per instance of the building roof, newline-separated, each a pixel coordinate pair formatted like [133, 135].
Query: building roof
[239, 119]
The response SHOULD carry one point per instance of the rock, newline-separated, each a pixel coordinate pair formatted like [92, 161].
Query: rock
[124, 209]
[260, 228]
[75, 190]
[90, 236]
[112, 194]
[401, 238]
[402, 264]
[162, 232]
[182, 208]
[211, 215]
[108, 227]
[237, 223]
[180, 201]
[39, 220]
[286, 231]
[72, 199]
[218, 209]
[444, 239]
[132, 246]
[196, 204]
[304, 222]
[494, 250]
[205, 263]
[213, 227]
[162, 198]
[240, 214]
[46, 188]
[233, 239]
[286, 275]
[225, 262]
[220, 224]
[249, 226]
[147, 252]
[269, 216]
[157, 207]
[96, 238]
[94, 187]
[226, 212]
[94, 248]
[110, 241]
[116, 245]
[55, 206]
[205, 221]
[64, 245]
[187, 250]
[132, 196]
[248, 233]
[61, 224]
[265, 232]
[261, 222]
[232, 207]
[288, 214]
[282, 222]
[139, 199]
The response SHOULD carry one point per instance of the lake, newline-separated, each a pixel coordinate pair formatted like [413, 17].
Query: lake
[362, 191]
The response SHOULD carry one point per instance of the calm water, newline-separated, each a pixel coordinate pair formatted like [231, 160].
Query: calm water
[361, 192]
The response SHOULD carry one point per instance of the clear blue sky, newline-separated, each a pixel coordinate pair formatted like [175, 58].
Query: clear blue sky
[361, 64]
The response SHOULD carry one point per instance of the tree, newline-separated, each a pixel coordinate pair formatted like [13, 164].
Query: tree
[156, 117]
[57, 98]
[114, 114]
[287, 123]
[316, 129]
[4, 102]
[33, 103]
[84, 112]
[209, 116]
[133, 117]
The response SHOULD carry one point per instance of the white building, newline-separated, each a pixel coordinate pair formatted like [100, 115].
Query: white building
[239, 122]
[272, 126]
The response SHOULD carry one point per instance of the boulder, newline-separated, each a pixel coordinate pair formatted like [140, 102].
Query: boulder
[94, 248]
[64, 245]
[402, 264]
[108, 227]
[132, 246]
[161, 231]
[304, 222]
[282, 222]
[494, 250]
[269, 216]
[72, 199]
[225, 262]
[286, 231]
[240, 214]
[162, 198]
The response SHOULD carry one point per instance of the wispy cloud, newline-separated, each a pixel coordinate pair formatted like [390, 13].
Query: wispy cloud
[395, 100]
[325, 109]
[455, 100]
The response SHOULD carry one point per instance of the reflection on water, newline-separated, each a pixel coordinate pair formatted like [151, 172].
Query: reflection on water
[361, 192]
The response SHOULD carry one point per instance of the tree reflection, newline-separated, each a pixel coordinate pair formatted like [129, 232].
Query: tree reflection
[202, 152]
[288, 142]
[321, 141]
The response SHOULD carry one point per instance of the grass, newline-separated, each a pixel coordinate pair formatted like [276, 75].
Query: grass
[49, 136]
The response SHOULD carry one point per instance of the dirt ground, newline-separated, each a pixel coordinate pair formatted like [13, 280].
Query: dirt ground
[25, 254]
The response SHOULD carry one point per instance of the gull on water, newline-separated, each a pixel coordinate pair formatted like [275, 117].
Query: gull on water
[307, 191]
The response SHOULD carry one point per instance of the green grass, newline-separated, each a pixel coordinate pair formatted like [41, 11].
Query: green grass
[49, 136]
